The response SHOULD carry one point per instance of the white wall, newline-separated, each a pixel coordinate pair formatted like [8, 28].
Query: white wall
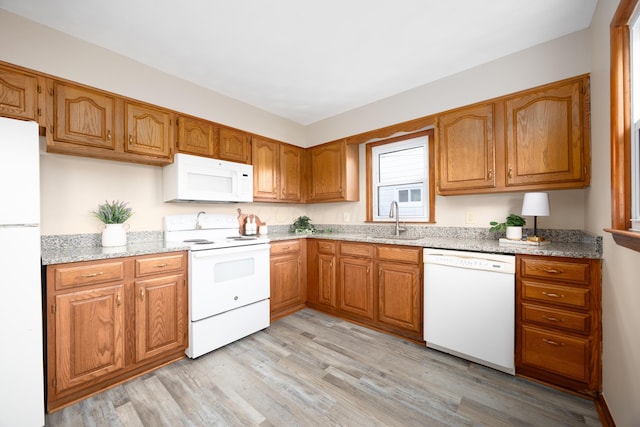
[620, 285]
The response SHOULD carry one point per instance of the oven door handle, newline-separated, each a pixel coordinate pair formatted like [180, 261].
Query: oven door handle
[246, 249]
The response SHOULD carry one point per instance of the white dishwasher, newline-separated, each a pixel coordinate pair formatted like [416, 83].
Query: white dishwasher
[469, 306]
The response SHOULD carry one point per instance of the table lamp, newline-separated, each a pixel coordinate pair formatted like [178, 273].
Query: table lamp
[535, 205]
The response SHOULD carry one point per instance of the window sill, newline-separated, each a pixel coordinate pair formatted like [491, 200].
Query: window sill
[628, 239]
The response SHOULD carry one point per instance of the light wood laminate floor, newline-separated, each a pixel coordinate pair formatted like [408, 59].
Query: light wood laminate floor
[310, 369]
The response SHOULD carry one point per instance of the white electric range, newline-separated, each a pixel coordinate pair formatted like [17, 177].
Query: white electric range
[228, 279]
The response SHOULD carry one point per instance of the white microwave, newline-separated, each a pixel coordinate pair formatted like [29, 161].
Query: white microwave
[206, 180]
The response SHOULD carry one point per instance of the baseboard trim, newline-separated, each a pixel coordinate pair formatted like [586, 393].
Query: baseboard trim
[603, 411]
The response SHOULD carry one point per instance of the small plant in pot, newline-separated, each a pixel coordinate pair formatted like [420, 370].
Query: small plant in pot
[302, 225]
[513, 226]
[113, 215]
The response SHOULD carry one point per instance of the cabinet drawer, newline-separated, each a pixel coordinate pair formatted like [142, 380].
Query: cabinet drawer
[557, 353]
[354, 249]
[88, 274]
[570, 321]
[394, 253]
[557, 270]
[159, 264]
[326, 247]
[563, 295]
[287, 247]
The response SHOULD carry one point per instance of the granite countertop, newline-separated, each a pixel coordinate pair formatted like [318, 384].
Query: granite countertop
[561, 249]
[564, 243]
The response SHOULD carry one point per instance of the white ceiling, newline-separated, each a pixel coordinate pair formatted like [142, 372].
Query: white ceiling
[308, 60]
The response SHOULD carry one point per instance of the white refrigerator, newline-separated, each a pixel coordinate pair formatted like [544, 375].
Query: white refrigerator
[21, 328]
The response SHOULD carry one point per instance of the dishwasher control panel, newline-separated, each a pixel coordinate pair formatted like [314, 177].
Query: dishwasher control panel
[499, 263]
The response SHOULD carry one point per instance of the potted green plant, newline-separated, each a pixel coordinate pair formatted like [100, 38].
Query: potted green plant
[113, 215]
[512, 226]
[302, 225]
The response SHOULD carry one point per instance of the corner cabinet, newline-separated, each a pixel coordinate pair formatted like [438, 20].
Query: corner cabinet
[538, 139]
[558, 321]
[333, 173]
[277, 171]
[288, 277]
[111, 320]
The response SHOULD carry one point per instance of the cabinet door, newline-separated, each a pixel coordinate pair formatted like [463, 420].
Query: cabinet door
[399, 296]
[290, 173]
[160, 316]
[286, 282]
[148, 130]
[545, 136]
[466, 149]
[265, 169]
[196, 137]
[327, 171]
[18, 94]
[83, 116]
[89, 335]
[326, 280]
[356, 287]
[235, 146]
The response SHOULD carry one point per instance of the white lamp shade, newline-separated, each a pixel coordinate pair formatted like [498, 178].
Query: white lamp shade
[535, 204]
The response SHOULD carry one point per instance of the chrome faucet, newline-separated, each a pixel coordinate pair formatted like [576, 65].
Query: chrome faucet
[198, 225]
[396, 215]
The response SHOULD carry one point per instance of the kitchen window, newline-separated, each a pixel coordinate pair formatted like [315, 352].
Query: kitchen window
[401, 169]
[625, 107]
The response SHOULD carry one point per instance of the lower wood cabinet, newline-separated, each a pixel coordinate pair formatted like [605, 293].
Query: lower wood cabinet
[110, 320]
[379, 286]
[288, 277]
[558, 321]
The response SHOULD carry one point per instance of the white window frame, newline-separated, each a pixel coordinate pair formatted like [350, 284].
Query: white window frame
[423, 184]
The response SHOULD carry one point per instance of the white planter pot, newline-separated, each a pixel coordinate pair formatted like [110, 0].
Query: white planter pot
[514, 233]
[114, 235]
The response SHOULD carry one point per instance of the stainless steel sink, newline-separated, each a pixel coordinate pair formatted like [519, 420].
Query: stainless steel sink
[393, 237]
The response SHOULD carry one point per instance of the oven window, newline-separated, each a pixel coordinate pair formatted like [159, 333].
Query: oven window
[235, 269]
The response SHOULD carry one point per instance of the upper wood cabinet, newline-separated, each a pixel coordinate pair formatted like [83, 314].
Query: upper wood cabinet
[547, 135]
[83, 116]
[19, 93]
[537, 139]
[333, 172]
[466, 148]
[197, 137]
[277, 171]
[88, 122]
[148, 130]
[235, 145]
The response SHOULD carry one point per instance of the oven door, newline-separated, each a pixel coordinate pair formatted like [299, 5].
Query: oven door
[227, 278]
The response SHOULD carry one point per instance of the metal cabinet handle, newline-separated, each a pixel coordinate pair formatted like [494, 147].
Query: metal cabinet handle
[553, 319]
[161, 265]
[552, 271]
[510, 173]
[118, 302]
[130, 140]
[141, 293]
[490, 174]
[235, 298]
[93, 274]
[552, 295]
[555, 343]
[108, 135]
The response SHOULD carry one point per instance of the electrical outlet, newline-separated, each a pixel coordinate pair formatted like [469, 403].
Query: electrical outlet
[470, 217]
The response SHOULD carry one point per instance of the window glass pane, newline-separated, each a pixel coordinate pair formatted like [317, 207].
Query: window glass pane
[403, 196]
[416, 195]
[402, 165]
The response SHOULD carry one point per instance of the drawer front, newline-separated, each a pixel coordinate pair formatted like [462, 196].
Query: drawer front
[556, 270]
[557, 353]
[354, 249]
[88, 274]
[569, 321]
[286, 247]
[159, 264]
[394, 253]
[326, 247]
[562, 295]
